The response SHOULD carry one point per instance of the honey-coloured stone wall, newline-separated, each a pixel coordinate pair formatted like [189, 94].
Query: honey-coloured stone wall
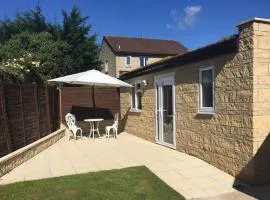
[106, 54]
[235, 137]
[260, 33]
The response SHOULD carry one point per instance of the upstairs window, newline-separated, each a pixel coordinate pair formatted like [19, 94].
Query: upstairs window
[136, 97]
[143, 61]
[206, 79]
[128, 60]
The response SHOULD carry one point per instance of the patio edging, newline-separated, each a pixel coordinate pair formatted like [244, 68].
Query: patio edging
[16, 158]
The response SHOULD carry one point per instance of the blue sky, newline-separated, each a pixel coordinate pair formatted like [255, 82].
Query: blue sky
[192, 22]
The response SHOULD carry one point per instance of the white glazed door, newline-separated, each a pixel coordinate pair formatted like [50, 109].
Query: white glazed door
[165, 114]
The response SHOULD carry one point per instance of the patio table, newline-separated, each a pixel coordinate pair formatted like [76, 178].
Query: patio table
[93, 127]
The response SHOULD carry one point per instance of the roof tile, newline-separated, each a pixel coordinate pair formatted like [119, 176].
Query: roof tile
[125, 45]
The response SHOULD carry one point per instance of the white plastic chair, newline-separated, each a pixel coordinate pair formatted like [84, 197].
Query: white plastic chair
[114, 127]
[73, 129]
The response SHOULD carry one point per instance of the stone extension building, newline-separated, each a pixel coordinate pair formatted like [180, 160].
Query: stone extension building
[212, 102]
[123, 54]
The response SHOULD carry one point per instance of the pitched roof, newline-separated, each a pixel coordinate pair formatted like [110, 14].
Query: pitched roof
[226, 45]
[145, 46]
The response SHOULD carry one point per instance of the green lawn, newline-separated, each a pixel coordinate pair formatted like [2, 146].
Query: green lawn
[129, 183]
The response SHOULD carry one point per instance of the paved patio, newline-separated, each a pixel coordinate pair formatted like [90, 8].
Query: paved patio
[188, 175]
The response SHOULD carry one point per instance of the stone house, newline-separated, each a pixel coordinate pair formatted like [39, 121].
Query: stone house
[212, 102]
[123, 54]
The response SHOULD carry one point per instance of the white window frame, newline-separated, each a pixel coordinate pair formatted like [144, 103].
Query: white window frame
[128, 65]
[206, 110]
[136, 109]
[144, 60]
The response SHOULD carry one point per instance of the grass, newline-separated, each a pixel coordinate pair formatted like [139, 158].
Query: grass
[129, 183]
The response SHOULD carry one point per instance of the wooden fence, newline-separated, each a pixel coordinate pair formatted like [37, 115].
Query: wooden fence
[30, 112]
[107, 102]
[27, 113]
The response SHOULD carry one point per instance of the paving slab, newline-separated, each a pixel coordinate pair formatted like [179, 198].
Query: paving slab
[190, 176]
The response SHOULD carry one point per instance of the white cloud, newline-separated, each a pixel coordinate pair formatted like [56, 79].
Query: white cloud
[184, 20]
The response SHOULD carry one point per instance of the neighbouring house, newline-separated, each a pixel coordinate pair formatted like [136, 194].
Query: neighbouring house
[212, 102]
[123, 54]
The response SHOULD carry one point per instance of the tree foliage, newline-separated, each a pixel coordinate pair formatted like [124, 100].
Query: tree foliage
[32, 49]
[35, 57]
[75, 33]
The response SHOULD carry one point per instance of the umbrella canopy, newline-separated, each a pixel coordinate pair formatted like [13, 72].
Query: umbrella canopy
[93, 78]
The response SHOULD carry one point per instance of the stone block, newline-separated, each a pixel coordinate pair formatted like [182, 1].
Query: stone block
[261, 80]
[261, 33]
[263, 42]
[264, 27]
[263, 95]
[261, 53]
[260, 122]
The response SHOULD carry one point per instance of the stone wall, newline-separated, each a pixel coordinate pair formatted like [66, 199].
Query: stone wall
[106, 54]
[117, 64]
[141, 124]
[223, 139]
[16, 158]
[134, 64]
[235, 138]
[259, 32]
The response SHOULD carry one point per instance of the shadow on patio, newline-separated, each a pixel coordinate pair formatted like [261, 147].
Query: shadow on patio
[258, 167]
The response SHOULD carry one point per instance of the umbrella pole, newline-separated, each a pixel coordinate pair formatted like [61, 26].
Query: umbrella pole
[93, 96]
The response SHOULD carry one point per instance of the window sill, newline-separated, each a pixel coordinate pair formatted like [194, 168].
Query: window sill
[135, 110]
[205, 113]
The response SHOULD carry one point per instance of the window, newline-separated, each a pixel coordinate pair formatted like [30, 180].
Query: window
[106, 66]
[128, 60]
[143, 61]
[136, 97]
[206, 78]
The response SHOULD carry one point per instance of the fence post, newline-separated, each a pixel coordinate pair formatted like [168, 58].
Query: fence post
[22, 113]
[60, 89]
[37, 108]
[48, 108]
[5, 116]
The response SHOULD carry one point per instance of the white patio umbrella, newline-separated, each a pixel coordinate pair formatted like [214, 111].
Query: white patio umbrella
[91, 78]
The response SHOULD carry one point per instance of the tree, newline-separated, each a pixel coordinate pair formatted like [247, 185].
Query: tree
[60, 49]
[31, 21]
[75, 32]
[34, 57]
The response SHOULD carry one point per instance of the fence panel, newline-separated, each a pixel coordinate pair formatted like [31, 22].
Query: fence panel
[14, 109]
[31, 122]
[30, 112]
[5, 143]
[108, 98]
[25, 115]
